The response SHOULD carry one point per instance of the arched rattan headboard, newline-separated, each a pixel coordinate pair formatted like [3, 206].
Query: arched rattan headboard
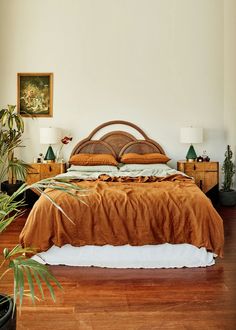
[117, 143]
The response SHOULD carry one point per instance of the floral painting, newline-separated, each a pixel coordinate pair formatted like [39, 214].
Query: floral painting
[34, 94]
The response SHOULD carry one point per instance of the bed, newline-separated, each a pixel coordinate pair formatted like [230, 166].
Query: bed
[140, 213]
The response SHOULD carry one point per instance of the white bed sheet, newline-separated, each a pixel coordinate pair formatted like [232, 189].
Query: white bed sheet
[126, 256]
[132, 170]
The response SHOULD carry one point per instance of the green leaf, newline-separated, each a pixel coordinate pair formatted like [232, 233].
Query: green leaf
[21, 124]
[21, 283]
[18, 123]
[4, 119]
[16, 281]
[11, 108]
[1, 113]
[37, 279]
[49, 286]
[4, 223]
[30, 282]
[10, 123]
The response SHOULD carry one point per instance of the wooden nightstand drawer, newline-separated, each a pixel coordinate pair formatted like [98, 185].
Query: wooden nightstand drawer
[211, 166]
[34, 168]
[193, 166]
[49, 170]
[201, 166]
[39, 172]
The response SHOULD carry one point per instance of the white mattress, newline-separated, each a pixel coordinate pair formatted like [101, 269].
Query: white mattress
[126, 256]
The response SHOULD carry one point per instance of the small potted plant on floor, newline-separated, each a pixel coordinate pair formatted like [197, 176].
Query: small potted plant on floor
[227, 195]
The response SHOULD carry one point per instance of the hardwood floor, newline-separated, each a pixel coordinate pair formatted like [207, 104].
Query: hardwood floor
[102, 299]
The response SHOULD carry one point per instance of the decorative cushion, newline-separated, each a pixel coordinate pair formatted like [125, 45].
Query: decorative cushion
[93, 159]
[153, 158]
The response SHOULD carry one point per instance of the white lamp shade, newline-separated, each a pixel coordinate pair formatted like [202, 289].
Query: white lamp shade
[191, 135]
[50, 135]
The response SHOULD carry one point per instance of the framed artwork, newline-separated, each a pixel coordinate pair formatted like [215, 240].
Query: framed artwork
[34, 94]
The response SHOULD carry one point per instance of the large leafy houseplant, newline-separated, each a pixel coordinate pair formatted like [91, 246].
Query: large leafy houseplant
[227, 194]
[11, 130]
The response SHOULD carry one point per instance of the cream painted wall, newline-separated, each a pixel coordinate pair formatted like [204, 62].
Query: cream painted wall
[157, 63]
[230, 74]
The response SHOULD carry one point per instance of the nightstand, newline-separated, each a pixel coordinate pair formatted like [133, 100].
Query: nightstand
[40, 171]
[205, 174]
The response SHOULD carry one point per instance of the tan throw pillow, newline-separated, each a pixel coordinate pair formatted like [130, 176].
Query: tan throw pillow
[152, 158]
[93, 159]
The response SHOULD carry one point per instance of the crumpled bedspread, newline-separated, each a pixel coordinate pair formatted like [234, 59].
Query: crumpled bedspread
[124, 210]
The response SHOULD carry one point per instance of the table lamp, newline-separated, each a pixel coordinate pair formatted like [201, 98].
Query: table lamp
[49, 135]
[191, 135]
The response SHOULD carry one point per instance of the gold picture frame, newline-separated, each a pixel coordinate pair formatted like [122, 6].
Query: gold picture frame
[35, 94]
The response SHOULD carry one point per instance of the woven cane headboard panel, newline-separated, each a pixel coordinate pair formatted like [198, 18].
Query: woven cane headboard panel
[117, 143]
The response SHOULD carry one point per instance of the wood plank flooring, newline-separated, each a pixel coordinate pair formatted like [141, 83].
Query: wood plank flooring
[109, 299]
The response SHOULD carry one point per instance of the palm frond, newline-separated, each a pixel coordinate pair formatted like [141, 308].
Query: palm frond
[10, 209]
[32, 273]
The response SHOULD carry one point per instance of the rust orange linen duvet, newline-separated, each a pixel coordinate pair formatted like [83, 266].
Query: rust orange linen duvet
[136, 212]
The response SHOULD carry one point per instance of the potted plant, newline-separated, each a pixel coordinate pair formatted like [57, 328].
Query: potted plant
[227, 195]
[27, 273]
[11, 130]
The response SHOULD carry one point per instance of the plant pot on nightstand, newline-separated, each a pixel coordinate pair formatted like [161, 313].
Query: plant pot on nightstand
[227, 198]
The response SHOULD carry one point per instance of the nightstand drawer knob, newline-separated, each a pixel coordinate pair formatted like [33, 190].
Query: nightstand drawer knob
[200, 184]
